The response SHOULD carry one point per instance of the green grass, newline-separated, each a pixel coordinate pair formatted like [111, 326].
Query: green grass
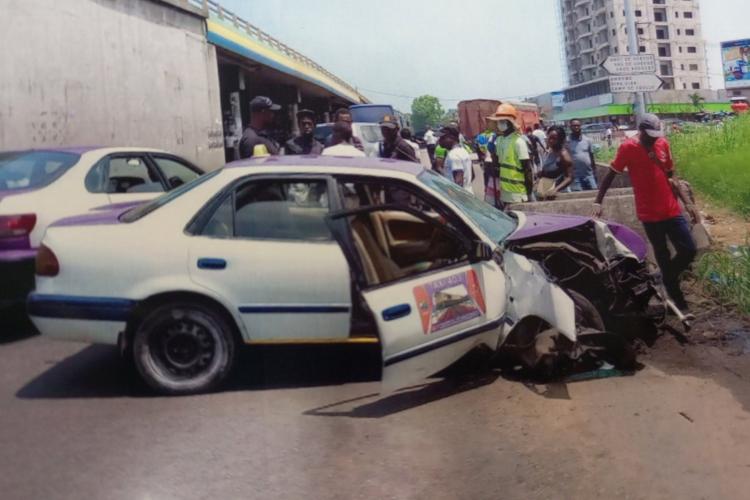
[727, 275]
[605, 154]
[716, 162]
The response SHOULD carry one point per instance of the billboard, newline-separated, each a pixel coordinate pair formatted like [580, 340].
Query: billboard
[558, 99]
[735, 59]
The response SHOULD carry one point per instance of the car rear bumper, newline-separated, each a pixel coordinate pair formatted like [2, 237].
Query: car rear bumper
[86, 319]
[17, 272]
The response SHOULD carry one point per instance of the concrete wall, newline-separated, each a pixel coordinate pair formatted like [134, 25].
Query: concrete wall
[111, 73]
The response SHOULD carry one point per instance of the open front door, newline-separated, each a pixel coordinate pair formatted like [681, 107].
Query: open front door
[428, 322]
[433, 288]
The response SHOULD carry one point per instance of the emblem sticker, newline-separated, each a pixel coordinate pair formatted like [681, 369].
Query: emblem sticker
[449, 301]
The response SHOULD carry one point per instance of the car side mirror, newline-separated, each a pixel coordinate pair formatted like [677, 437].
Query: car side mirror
[481, 251]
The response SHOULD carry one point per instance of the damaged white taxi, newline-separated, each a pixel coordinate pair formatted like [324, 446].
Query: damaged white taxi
[330, 249]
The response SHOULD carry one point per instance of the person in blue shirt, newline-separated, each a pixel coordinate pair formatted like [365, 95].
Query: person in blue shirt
[581, 150]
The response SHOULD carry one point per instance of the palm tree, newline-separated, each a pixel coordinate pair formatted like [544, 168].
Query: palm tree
[698, 101]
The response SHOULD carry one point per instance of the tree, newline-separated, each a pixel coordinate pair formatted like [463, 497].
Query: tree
[698, 101]
[450, 116]
[426, 110]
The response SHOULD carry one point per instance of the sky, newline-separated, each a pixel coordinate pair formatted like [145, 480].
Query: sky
[395, 50]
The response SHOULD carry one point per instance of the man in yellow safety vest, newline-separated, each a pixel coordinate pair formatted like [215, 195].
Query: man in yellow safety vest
[516, 178]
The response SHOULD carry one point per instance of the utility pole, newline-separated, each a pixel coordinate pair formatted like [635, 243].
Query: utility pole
[640, 99]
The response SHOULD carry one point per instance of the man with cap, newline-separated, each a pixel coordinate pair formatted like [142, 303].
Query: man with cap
[392, 145]
[516, 174]
[457, 164]
[648, 160]
[304, 143]
[257, 137]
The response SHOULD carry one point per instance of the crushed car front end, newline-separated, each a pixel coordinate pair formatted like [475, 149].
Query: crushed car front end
[601, 268]
[603, 261]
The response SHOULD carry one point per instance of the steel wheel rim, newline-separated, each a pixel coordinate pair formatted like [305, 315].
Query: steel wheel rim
[184, 349]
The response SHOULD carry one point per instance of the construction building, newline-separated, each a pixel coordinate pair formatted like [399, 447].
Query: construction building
[593, 30]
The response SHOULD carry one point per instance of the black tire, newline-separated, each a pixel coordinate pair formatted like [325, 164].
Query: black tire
[184, 348]
[587, 316]
[613, 347]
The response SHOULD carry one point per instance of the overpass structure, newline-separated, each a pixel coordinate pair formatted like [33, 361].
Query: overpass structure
[173, 74]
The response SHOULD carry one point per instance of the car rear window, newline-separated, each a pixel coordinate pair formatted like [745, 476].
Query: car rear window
[33, 169]
[141, 211]
[370, 133]
[372, 113]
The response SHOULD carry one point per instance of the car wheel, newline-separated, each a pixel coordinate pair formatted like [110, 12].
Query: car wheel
[592, 335]
[183, 348]
[587, 316]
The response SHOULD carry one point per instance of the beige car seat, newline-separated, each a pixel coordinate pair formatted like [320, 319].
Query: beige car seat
[379, 268]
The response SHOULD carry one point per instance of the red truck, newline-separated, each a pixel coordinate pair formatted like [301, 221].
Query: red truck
[472, 114]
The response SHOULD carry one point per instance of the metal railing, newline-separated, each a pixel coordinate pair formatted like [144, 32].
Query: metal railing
[213, 8]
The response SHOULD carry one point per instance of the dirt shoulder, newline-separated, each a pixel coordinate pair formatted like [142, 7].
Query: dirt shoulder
[726, 228]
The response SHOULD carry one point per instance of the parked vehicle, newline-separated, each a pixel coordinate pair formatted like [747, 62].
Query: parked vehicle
[740, 104]
[368, 133]
[333, 250]
[596, 128]
[38, 187]
[374, 113]
[472, 114]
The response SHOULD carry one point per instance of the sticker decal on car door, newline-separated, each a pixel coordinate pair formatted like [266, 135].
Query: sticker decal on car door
[449, 301]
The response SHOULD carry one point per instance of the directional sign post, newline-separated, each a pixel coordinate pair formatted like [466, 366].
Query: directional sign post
[630, 65]
[635, 83]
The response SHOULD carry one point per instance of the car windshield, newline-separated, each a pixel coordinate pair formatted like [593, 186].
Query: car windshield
[141, 211]
[491, 221]
[33, 169]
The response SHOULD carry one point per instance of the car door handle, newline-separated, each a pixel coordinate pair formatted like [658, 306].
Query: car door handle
[211, 263]
[396, 312]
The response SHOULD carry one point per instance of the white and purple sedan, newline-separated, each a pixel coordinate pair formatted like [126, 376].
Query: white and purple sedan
[40, 186]
[330, 250]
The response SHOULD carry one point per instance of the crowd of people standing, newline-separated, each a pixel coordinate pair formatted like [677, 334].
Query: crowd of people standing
[257, 139]
[519, 165]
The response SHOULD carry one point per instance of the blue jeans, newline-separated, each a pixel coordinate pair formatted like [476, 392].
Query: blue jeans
[678, 232]
[585, 183]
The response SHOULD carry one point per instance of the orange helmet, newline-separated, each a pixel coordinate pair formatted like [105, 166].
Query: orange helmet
[506, 112]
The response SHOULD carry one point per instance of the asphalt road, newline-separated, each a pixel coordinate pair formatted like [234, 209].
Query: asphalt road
[310, 423]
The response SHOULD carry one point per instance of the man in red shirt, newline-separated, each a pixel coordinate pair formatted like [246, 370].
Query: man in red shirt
[648, 160]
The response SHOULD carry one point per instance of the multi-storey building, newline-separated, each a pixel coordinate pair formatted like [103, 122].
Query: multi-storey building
[669, 29]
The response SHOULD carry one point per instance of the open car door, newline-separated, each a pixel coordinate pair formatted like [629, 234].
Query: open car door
[429, 322]
[430, 313]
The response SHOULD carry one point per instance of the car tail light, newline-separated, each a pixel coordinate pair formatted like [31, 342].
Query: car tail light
[46, 262]
[16, 225]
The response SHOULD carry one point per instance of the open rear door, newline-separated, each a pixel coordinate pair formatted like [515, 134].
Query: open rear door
[429, 321]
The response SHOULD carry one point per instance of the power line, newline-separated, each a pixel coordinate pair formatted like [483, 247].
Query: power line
[405, 96]
[523, 96]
